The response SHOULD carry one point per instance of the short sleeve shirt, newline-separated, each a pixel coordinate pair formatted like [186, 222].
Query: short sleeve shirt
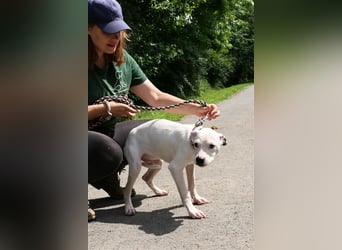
[113, 80]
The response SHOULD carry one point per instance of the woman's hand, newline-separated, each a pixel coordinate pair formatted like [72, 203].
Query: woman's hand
[122, 110]
[212, 111]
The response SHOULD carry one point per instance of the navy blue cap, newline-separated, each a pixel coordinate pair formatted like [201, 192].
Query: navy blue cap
[107, 14]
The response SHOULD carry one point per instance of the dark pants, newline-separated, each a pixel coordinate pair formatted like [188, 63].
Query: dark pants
[105, 155]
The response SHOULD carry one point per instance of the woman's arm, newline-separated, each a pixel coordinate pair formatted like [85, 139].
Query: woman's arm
[96, 110]
[154, 97]
[117, 110]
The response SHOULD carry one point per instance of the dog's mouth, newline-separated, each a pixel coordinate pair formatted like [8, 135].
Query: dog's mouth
[202, 165]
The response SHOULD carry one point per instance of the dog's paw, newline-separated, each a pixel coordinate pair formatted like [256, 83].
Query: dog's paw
[199, 200]
[160, 192]
[196, 214]
[157, 190]
[129, 211]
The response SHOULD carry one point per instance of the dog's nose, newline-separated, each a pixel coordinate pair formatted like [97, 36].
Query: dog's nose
[199, 161]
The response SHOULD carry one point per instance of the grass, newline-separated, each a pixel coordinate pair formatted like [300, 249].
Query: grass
[209, 95]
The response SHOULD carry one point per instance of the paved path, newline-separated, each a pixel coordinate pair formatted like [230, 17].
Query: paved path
[162, 223]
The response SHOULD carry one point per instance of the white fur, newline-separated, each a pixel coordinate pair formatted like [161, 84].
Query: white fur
[178, 144]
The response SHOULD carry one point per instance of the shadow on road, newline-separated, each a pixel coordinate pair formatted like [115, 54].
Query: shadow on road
[157, 222]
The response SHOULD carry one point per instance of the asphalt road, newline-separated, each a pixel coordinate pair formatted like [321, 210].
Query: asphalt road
[163, 223]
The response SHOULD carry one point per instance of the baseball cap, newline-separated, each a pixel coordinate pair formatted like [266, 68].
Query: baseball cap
[107, 14]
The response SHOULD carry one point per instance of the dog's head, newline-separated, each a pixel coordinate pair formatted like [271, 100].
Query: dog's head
[207, 143]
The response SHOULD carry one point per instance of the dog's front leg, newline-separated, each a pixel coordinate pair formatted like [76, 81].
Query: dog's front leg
[178, 176]
[134, 170]
[190, 173]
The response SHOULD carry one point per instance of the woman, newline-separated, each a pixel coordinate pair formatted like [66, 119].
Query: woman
[112, 71]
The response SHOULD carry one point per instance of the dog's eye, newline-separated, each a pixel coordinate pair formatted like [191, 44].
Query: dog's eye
[211, 146]
[196, 145]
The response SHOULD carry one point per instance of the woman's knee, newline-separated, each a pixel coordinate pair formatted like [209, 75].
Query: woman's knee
[104, 155]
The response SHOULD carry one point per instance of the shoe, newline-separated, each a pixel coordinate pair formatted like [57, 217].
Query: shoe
[118, 195]
[111, 185]
[91, 213]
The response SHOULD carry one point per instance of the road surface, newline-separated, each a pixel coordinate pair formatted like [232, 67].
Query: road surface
[162, 223]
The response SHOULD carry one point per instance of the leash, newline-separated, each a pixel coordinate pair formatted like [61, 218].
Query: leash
[125, 100]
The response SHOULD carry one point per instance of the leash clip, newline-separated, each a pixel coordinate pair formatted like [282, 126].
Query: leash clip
[201, 121]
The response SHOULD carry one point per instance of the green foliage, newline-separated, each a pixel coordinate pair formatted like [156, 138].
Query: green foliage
[242, 39]
[180, 44]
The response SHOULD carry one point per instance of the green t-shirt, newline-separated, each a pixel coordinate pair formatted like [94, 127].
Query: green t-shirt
[113, 80]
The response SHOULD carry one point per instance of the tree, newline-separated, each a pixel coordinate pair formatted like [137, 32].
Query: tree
[180, 43]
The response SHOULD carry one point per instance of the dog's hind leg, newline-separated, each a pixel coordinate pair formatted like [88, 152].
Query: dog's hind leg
[153, 169]
[196, 198]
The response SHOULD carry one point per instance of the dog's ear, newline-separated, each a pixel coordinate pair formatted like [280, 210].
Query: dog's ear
[223, 140]
[193, 134]
[214, 127]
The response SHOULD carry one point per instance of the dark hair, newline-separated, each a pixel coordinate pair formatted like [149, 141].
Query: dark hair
[117, 56]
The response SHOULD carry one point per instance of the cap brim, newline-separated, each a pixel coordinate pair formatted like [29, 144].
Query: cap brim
[114, 26]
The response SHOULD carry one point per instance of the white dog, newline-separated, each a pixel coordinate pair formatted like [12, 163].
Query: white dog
[181, 146]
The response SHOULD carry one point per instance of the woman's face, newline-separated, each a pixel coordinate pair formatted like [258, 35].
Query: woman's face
[105, 43]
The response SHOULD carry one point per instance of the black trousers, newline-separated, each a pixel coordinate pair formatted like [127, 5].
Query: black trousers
[105, 155]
